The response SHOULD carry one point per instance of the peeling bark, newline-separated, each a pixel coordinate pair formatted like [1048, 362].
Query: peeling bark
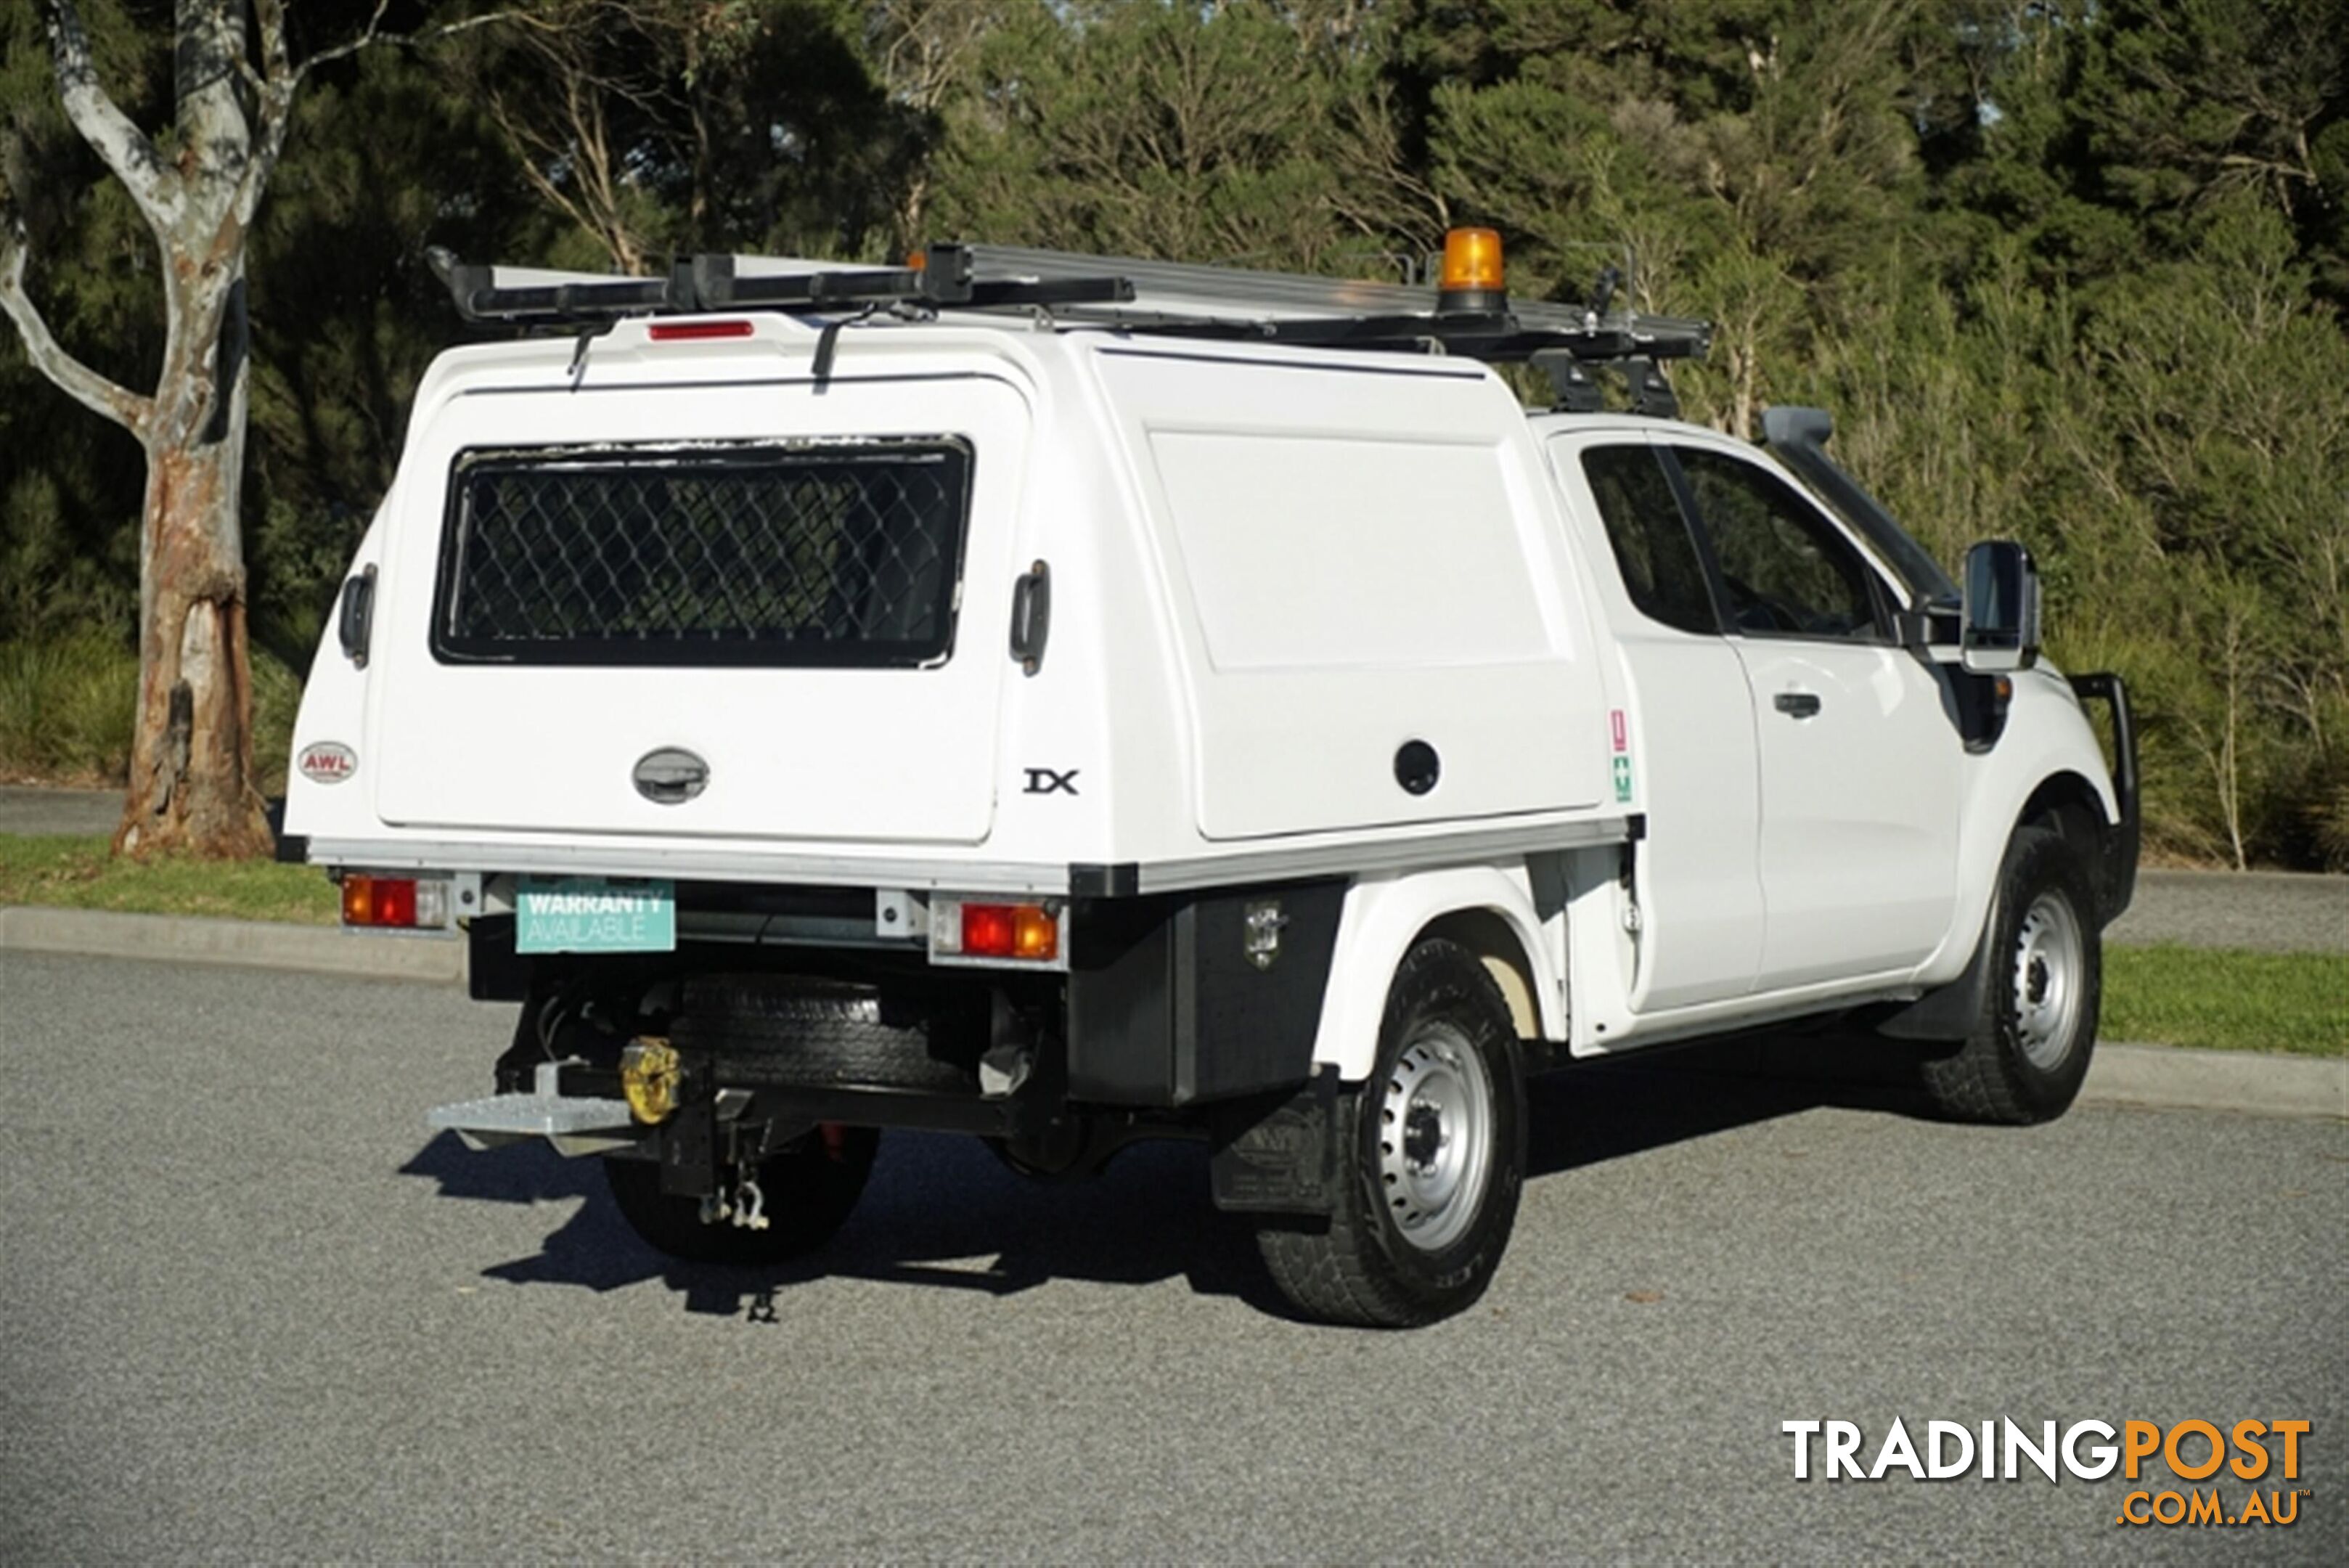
[191, 784]
[191, 764]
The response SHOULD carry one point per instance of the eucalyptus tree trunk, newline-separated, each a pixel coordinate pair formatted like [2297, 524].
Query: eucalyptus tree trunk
[191, 784]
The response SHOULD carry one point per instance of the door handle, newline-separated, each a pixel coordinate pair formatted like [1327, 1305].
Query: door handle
[1032, 615]
[1801, 704]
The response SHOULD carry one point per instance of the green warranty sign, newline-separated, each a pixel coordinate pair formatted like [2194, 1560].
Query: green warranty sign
[593, 914]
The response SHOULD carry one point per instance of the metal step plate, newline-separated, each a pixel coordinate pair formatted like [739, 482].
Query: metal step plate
[574, 1125]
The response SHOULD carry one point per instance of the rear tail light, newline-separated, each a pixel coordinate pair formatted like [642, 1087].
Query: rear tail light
[965, 932]
[410, 903]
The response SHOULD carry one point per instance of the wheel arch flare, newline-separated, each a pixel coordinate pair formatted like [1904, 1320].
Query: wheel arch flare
[1488, 909]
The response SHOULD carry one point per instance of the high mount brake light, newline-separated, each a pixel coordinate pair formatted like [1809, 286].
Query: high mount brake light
[695, 331]
[400, 903]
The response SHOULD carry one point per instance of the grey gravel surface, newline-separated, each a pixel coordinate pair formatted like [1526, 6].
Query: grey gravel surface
[27, 809]
[264, 944]
[253, 1313]
[2272, 911]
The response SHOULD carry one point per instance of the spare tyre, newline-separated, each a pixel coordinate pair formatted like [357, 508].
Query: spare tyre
[795, 1030]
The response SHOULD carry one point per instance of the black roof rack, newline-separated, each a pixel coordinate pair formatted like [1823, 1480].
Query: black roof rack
[1159, 299]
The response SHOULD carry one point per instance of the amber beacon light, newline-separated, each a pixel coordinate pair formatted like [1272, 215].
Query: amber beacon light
[1471, 280]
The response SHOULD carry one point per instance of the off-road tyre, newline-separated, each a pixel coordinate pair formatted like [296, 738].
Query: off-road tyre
[1382, 1262]
[2030, 1048]
[811, 1187]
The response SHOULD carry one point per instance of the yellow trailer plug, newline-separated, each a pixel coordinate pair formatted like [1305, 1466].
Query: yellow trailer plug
[648, 1076]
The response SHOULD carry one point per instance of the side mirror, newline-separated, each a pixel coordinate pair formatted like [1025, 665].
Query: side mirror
[2001, 617]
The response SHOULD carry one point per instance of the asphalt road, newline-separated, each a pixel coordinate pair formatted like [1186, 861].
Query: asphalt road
[252, 1311]
[2272, 911]
[39, 809]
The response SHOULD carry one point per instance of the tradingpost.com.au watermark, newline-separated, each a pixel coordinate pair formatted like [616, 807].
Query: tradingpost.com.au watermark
[2252, 1452]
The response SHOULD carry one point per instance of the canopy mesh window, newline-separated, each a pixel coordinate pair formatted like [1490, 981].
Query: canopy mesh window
[839, 554]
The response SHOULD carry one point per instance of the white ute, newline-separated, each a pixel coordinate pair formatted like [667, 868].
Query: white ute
[1071, 700]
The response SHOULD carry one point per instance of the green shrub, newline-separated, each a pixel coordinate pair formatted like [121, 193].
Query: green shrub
[276, 698]
[66, 710]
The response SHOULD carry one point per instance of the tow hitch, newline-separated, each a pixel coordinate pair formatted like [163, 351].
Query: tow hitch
[694, 1163]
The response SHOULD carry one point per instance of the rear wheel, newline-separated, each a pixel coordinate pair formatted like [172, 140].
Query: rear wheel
[810, 1187]
[1438, 1144]
[2029, 1050]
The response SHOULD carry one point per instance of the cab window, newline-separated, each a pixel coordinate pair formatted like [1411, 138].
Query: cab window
[1650, 536]
[1786, 570]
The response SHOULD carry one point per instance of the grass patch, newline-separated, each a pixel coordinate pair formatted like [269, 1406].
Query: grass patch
[78, 874]
[2225, 999]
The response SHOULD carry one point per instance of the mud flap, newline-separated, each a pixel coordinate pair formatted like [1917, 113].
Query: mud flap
[1949, 1012]
[1284, 1158]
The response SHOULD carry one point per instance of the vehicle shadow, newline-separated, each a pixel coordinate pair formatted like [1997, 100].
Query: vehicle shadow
[1602, 1110]
[943, 1213]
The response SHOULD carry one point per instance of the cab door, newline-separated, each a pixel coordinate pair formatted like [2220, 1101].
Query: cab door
[1690, 726]
[1860, 759]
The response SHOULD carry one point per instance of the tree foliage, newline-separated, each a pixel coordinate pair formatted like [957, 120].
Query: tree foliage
[2066, 272]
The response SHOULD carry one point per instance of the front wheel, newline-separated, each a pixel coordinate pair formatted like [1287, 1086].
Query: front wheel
[1437, 1136]
[810, 1187]
[2029, 1050]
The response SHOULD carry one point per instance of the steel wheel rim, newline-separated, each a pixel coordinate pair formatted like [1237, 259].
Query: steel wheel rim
[2050, 972]
[1435, 1136]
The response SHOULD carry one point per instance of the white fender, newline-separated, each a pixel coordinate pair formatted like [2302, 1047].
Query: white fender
[1383, 915]
[2046, 736]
